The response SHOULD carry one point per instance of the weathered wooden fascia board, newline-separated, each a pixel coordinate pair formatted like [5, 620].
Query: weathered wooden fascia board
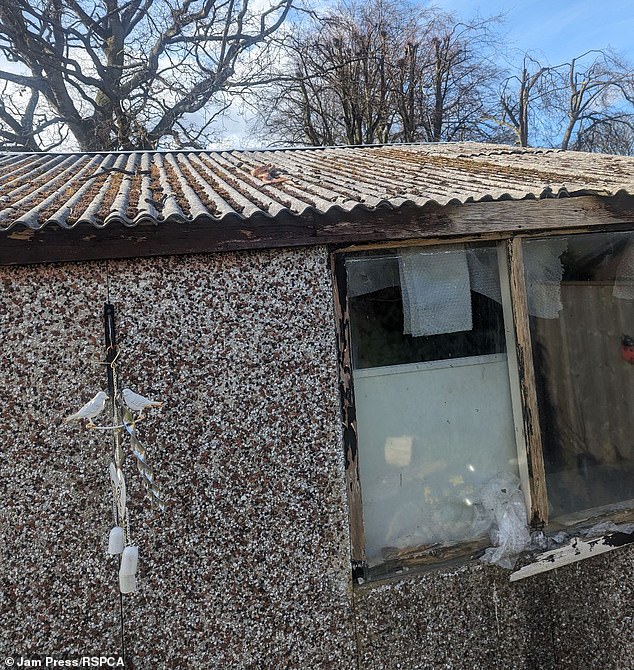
[576, 550]
[482, 219]
[83, 243]
[21, 246]
[537, 215]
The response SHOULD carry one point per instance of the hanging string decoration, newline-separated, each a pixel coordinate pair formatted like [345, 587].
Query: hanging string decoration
[128, 408]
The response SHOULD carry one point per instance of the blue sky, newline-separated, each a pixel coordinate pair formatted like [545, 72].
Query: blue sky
[557, 30]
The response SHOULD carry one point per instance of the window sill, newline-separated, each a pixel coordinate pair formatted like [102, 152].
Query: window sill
[421, 559]
[577, 549]
[580, 544]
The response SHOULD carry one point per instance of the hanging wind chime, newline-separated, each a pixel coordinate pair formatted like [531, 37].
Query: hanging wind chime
[127, 410]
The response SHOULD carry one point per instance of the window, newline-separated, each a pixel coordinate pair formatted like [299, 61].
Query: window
[585, 382]
[437, 405]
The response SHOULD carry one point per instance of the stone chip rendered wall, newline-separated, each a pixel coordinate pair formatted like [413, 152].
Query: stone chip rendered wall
[248, 567]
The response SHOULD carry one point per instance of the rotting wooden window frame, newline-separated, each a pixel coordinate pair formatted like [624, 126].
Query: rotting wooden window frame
[526, 417]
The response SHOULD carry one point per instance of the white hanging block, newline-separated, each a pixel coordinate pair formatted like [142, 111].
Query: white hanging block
[436, 292]
[127, 583]
[115, 541]
[129, 561]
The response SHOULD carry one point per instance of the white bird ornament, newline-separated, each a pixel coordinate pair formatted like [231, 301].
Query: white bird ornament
[90, 410]
[137, 402]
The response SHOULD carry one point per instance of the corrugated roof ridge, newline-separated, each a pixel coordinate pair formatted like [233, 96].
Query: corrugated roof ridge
[282, 186]
[42, 168]
[30, 218]
[220, 169]
[318, 194]
[217, 201]
[303, 148]
[145, 204]
[340, 189]
[20, 169]
[374, 174]
[188, 186]
[281, 199]
[420, 183]
[92, 209]
[194, 203]
[170, 209]
[65, 211]
[121, 199]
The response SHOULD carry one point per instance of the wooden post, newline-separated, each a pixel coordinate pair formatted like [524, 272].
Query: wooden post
[353, 484]
[528, 389]
[514, 381]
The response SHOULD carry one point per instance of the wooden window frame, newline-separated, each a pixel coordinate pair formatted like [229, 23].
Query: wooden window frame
[524, 402]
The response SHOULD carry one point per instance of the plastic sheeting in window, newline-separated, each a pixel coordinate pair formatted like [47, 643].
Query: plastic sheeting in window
[624, 280]
[436, 291]
[367, 275]
[544, 271]
[484, 272]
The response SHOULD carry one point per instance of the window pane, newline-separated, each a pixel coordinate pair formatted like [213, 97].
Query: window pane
[432, 393]
[388, 331]
[582, 322]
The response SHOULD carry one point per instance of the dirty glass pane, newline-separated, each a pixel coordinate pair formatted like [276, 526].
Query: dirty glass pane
[584, 355]
[432, 394]
[425, 305]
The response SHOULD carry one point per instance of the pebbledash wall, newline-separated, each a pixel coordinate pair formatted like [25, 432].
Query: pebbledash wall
[249, 566]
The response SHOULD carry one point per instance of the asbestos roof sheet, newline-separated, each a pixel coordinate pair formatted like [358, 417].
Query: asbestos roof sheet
[73, 189]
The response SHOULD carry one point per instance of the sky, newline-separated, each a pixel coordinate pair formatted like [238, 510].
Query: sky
[556, 30]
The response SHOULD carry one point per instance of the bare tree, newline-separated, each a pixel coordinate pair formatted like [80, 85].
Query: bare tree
[446, 80]
[568, 105]
[593, 88]
[615, 136]
[26, 124]
[520, 97]
[383, 71]
[334, 84]
[129, 74]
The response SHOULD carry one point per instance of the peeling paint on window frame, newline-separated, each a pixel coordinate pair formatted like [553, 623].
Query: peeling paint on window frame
[525, 414]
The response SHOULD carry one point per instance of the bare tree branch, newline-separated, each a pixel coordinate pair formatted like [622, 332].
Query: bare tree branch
[594, 88]
[124, 73]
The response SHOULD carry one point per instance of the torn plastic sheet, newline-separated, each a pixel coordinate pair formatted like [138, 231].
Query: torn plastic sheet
[624, 280]
[501, 505]
[436, 283]
[436, 291]
[484, 273]
[544, 272]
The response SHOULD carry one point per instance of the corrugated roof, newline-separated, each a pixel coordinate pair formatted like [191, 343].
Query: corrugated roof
[68, 190]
